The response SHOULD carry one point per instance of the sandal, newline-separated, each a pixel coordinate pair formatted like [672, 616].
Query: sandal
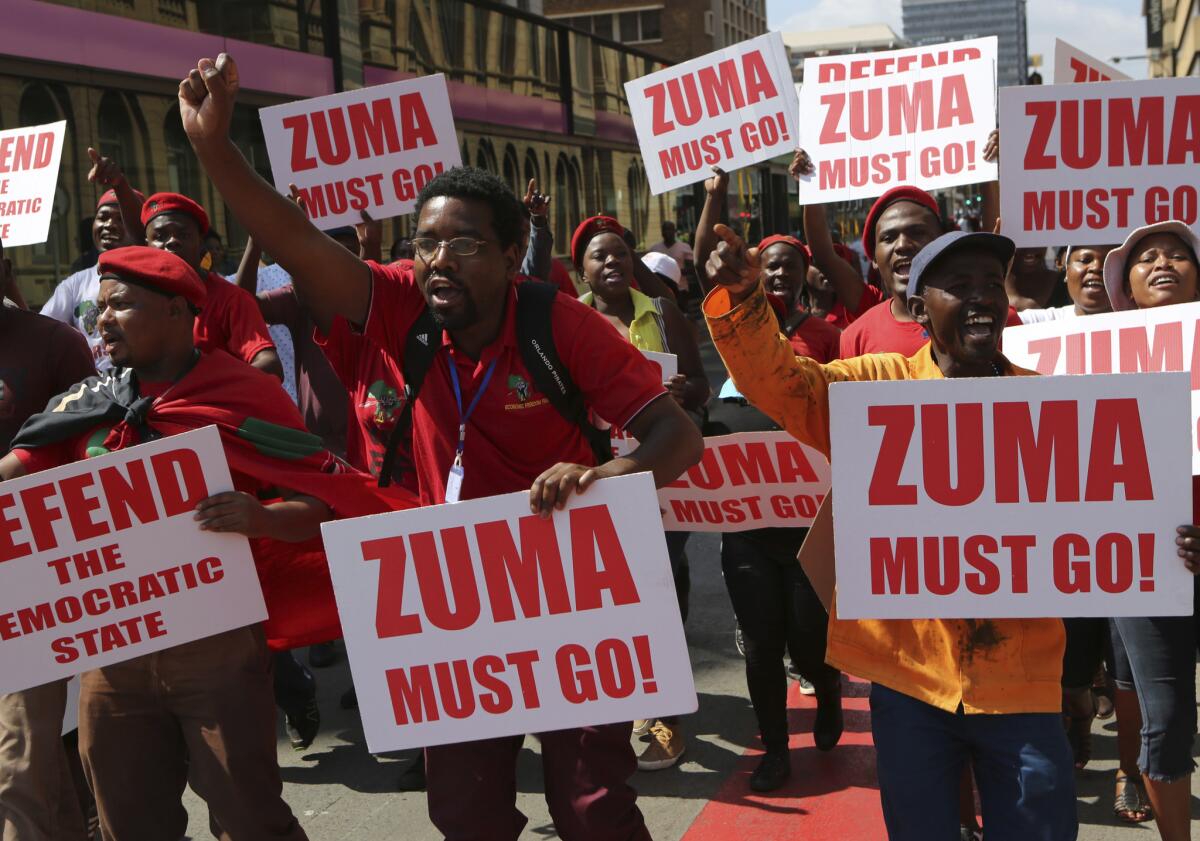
[1131, 805]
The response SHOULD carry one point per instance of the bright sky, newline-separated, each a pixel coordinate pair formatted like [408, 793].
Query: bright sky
[1103, 28]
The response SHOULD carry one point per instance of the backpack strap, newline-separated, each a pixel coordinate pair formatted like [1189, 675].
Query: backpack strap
[420, 347]
[794, 321]
[535, 338]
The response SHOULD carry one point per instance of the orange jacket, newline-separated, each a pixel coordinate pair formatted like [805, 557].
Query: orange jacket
[984, 665]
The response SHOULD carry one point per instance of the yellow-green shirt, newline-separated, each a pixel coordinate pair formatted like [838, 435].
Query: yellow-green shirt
[646, 329]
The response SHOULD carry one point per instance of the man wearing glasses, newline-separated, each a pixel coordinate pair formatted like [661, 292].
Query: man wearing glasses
[480, 427]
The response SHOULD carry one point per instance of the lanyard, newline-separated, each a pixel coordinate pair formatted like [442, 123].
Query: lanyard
[463, 418]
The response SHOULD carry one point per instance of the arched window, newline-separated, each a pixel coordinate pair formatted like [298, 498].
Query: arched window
[115, 133]
[531, 167]
[512, 171]
[485, 157]
[566, 194]
[183, 170]
[40, 105]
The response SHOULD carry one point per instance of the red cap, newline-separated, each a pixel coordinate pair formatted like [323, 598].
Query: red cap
[110, 197]
[774, 239]
[912, 194]
[588, 229]
[153, 267]
[160, 203]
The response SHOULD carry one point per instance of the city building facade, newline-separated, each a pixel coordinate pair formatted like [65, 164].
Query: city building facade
[865, 38]
[934, 21]
[1172, 37]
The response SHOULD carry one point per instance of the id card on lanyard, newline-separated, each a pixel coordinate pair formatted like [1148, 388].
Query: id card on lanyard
[454, 479]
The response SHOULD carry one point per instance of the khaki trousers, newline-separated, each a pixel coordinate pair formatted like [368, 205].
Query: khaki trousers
[201, 713]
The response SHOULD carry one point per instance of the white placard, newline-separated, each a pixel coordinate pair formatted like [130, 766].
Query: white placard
[369, 149]
[917, 116]
[1011, 497]
[29, 159]
[479, 619]
[1073, 66]
[747, 480]
[622, 442]
[1086, 164]
[101, 560]
[730, 108]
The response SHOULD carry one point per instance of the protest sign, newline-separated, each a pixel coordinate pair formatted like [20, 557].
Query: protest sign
[730, 108]
[1086, 163]
[29, 160]
[622, 442]
[919, 116]
[747, 480]
[1157, 339]
[101, 560]
[1072, 66]
[1011, 497]
[370, 149]
[479, 619]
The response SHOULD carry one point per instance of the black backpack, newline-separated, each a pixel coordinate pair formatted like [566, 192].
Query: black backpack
[535, 338]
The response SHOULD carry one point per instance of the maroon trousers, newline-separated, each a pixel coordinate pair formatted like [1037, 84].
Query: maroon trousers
[473, 786]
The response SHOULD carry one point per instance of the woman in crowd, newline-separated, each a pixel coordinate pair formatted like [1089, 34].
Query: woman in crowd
[1157, 267]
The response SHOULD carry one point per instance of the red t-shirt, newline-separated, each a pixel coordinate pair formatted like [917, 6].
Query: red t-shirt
[514, 434]
[817, 339]
[376, 386]
[560, 277]
[878, 331]
[230, 321]
[841, 318]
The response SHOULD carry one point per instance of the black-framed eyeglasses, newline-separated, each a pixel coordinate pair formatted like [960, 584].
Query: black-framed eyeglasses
[427, 247]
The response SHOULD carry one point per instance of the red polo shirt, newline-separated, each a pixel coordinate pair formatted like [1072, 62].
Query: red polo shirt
[230, 321]
[841, 318]
[878, 331]
[514, 434]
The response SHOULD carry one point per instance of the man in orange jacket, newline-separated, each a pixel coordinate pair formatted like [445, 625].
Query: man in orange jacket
[944, 690]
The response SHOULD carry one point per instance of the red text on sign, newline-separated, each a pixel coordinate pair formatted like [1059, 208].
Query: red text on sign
[26, 151]
[1110, 565]
[718, 147]
[362, 130]
[710, 92]
[867, 68]
[942, 565]
[896, 111]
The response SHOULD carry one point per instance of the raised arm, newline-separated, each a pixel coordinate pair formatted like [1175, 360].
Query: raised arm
[327, 277]
[541, 239]
[107, 173]
[990, 220]
[716, 207]
[846, 282]
[247, 273]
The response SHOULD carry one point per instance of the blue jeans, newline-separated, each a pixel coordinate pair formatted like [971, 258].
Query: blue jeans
[1022, 763]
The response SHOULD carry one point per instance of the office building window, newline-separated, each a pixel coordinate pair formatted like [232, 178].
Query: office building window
[636, 27]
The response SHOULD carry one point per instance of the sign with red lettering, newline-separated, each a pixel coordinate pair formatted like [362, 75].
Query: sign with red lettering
[1011, 497]
[1087, 164]
[479, 619]
[730, 108]
[28, 179]
[747, 480]
[919, 116]
[369, 149]
[1072, 66]
[101, 561]
[1158, 339]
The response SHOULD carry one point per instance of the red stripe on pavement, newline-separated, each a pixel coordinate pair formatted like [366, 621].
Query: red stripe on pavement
[832, 796]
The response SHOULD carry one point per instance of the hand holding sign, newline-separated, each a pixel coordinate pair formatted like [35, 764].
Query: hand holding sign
[1189, 547]
[718, 184]
[206, 99]
[732, 265]
[801, 165]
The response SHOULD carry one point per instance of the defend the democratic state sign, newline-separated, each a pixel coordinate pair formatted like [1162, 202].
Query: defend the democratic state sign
[1087, 163]
[479, 619]
[730, 108]
[1136, 341]
[370, 149]
[29, 159]
[919, 116]
[1011, 497]
[747, 480]
[101, 561]
[1073, 66]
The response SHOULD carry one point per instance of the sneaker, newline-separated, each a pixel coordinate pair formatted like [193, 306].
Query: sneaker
[303, 724]
[641, 726]
[737, 640]
[665, 748]
[412, 778]
[322, 655]
[806, 687]
[772, 772]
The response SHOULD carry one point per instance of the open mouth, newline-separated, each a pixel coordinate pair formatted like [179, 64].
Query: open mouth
[1164, 279]
[778, 286]
[445, 293]
[900, 268]
[979, 325]
[1092, 281]
[109, 240]
[614, 276]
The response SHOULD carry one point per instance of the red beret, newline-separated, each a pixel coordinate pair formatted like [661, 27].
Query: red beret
[110, 197]
[912, 194]
[775, 239]
[160, 203]
[153, 267]
[590, 228]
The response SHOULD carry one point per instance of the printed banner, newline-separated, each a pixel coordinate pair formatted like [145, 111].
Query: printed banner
[730, 108]
[747, 480]
[370, 149]
[1073, 65]
[918, 116]
[101, 561]
[29, 160]
[1158, 339]
[479, 619]
[622, 442]
[1087, 164]
[1011, 497]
